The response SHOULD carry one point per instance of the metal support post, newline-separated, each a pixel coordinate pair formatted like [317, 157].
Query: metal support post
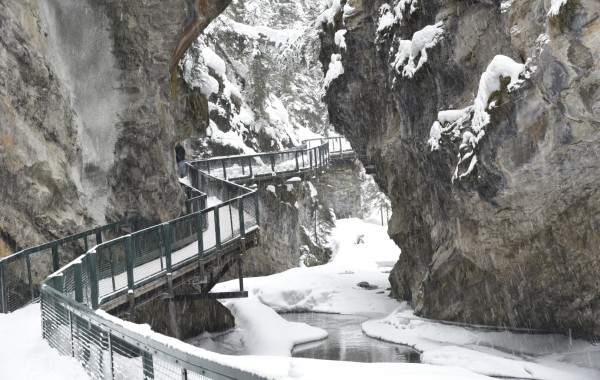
[172, 310]
[148, 365]
[217, 229]
[311, 158]
[184, 375]
[167, 245]
[3, 300]
[78, 282]
[224, 169]
[55, 261]
[200, 235]
[272, 157]
[240, 262]
[129, 262]
[231, 220]
[111, 356]
[250, 166]
[241, 217]
[29, 276]
[256, 209]
[72, 333]
[94, 291]
[85, 243]
[297, 163]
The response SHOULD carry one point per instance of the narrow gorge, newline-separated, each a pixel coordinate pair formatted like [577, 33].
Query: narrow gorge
[483, 120]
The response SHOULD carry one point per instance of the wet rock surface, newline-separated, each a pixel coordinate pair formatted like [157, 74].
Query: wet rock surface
[89, 112]
[515, 242]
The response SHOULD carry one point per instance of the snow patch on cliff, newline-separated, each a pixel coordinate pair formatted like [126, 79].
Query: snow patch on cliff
[468, 123]
[390, 15]
[555, 7]
[409, 51]
[335, 70]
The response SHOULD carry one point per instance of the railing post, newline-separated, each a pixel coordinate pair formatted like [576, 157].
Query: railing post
[94, 291]
[98, 237]
[3, 300]
[148, 365]
[167, 245]
[217, 228]
[200, 235]
[111, 356]
[241, 217]
[231, 219]
[129, 262]
[85, 243]
[310, 155]
[303, 164]
[242, 165]
[224, 169]
[297, 163]
[30, 277]
[55, 260]
[256, 208]
[78, 282]
[272, 157]
[250, 166]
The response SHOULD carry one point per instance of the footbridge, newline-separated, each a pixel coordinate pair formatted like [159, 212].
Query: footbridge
[130, 262]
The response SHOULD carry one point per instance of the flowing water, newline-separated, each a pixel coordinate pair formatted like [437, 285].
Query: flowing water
[347, 342]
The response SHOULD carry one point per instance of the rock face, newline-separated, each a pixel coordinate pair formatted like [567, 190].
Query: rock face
[295, 222]
[340, 186]
[511, 239]
[184, 319]
[89, 114]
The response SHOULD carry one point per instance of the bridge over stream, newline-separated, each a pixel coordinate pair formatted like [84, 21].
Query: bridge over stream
[130, 262]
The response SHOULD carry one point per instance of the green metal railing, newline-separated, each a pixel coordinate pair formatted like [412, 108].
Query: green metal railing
[22, 272]
[105, 345]
[265, 165]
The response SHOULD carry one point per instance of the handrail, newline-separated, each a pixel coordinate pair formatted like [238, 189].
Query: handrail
[9, 282]
[71, 296]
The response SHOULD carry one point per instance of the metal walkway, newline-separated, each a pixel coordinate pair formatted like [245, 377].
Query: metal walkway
[143, 261]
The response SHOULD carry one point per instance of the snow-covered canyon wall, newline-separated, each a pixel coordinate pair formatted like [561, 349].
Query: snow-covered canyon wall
[483, 121]
[89, 112]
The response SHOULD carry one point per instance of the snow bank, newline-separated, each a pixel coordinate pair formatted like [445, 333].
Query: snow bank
[409, 50]
[468, 123]
[481, 350]
[26, 356]
[266, 333]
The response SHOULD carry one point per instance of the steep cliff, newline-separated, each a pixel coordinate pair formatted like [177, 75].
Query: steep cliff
[89, 112]
[483, 120]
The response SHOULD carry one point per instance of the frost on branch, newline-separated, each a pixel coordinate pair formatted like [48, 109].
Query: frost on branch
[467, 125]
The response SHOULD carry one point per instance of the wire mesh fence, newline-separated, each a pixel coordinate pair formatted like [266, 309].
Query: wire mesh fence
[107, 350]
[22, 273]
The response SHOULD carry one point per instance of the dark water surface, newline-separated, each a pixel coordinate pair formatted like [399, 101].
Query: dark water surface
[347, 342]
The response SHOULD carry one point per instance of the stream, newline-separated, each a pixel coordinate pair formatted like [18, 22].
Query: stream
[347, 342]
